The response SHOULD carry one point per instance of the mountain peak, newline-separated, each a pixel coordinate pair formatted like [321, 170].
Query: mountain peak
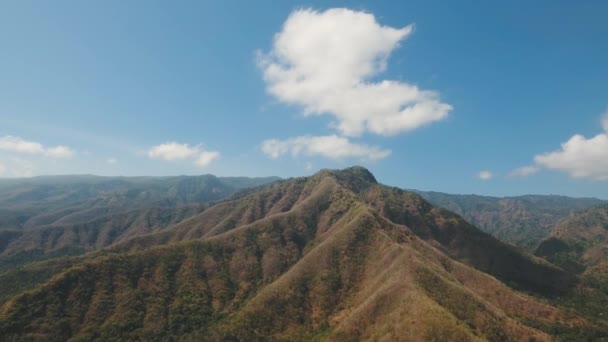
[312, 247]
[356, 174]
[355, 178]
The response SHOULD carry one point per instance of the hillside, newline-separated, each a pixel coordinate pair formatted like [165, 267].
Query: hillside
[523, 221]
[38, 201]
[45, 242]
[334, 257]
[47, 217]
[579, 242]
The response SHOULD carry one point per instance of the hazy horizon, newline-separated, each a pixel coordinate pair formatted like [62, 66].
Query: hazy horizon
[285, 178]
[509, 101]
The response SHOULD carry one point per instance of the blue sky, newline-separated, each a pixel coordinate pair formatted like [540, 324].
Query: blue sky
[427, 95]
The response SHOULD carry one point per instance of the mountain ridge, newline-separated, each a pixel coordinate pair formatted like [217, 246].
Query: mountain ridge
[523, 221]
[30, 204]
[313, 257]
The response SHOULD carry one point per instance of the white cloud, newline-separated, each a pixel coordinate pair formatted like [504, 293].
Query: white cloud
[580, 157]
[308, 166]
[18, 145]
[206, 157]
[60, 152]
[111, 161]
[525, 171]
[324, 62]
[330, 146]
[485, 175]
[172, 151]
[2, 169]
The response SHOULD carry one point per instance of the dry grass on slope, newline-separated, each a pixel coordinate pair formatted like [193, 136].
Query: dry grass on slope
[372, 280]
[304, 259]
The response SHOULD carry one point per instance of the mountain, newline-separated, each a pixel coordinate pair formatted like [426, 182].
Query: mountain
[45, 242]
[45, 217]
[335, 257]
[579, 242]
[47, 200]
[523, 221]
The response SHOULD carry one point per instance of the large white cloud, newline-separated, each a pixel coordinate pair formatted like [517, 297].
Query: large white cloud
[330, 146]
[580, 157]
[172, 151]
[18, 145]
[325, 62]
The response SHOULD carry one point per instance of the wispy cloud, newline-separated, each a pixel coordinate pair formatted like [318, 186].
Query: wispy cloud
[16, 144]
[60, 152]
[206, 157]
[525, 171]
[21, 146]
[485, 175]
[173, 151]
[16, 167]
[330, 146]
[323, 61]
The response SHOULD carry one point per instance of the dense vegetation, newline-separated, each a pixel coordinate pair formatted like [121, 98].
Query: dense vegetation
[579, 243]
[46, 217]
[335, 257]
[523, 221]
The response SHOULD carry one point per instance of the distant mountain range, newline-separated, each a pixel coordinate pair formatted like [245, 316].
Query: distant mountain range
[52, 216]
[522, 220]
[75, 199]
[335, 256]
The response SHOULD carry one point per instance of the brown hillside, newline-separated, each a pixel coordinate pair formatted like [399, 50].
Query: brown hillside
[579, 241]
[332, 257]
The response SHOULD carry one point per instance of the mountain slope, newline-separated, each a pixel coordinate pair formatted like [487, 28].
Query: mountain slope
[38, 201]
[523, 220]
[443, 229]
[331, 257]
[578, 241]
[74, 239]
[46, 217]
